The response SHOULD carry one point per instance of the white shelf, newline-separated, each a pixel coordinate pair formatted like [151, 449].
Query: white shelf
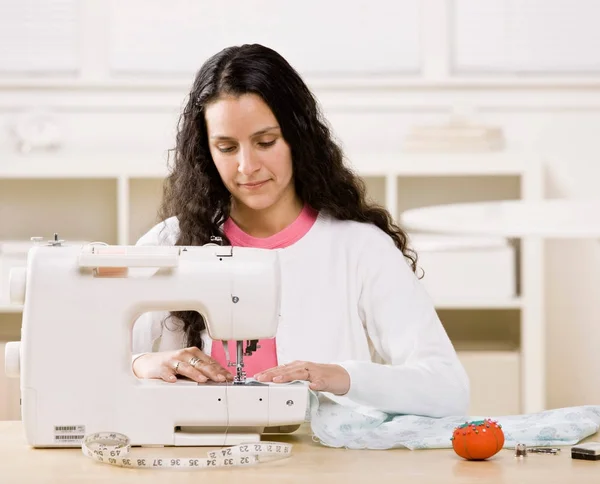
[10, 308]
[154, 165]
[454, 304]
[83, 165]
[515, 303]
[434, 164]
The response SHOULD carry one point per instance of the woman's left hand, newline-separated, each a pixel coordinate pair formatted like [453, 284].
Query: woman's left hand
[322, 377]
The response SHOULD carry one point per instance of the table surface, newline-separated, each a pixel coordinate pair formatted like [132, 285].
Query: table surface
[310, 462]
[553, 218]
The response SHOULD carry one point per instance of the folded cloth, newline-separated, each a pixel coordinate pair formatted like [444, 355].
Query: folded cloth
[337, 424]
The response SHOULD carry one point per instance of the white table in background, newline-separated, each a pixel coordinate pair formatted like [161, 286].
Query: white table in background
[556, 219]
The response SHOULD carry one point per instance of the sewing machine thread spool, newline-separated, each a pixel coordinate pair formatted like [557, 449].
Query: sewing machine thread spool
[112, 271]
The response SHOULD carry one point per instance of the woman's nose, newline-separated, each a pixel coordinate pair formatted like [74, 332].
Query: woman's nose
[248, 163]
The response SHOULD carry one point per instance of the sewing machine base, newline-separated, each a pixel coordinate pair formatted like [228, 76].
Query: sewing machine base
[203, 437]
[205, 415]
[213, 440]
[197, 436]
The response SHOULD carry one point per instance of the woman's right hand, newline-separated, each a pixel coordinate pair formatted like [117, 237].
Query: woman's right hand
[189, 362]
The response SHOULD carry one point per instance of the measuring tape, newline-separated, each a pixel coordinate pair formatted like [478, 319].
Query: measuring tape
[113, 449]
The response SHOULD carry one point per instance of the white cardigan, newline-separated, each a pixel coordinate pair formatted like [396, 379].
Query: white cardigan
[350, 298]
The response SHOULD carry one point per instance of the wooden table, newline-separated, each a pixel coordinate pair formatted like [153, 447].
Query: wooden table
[310, 462]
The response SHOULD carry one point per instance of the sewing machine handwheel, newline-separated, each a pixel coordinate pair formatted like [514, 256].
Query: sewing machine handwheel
[12, 359]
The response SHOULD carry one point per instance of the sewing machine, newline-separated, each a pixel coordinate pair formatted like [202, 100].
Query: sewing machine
[75, 356]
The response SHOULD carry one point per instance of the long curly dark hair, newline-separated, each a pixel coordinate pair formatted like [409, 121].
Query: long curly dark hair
[194, 191]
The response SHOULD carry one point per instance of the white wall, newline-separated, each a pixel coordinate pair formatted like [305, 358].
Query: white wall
[109, 98]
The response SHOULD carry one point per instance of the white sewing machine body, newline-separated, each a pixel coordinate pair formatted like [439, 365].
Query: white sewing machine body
[75, 351]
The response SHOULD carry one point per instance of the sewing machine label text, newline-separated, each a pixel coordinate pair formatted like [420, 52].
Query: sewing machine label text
[68, 434]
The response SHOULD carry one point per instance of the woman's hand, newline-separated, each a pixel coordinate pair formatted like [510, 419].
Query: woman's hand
[188, 362]
[322, 377]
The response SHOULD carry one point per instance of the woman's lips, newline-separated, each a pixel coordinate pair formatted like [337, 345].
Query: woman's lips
[254, 185]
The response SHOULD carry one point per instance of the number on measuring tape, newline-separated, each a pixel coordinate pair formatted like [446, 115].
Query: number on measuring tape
[113, 449]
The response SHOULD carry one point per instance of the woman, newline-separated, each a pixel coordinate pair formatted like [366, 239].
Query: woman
[257, 166]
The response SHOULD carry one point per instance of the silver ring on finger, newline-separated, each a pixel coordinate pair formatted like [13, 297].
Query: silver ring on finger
[176, 366]
[193, 361]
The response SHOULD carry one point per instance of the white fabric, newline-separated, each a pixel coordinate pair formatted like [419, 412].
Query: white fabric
[350, 298]
[363, 428]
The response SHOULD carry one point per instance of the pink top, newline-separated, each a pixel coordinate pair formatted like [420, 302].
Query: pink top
[266, 356]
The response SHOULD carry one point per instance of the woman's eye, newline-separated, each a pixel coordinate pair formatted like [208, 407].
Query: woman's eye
[266, 144]
[226, 149]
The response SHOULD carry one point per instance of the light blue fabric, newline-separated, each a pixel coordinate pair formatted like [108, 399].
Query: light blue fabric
[336, 424]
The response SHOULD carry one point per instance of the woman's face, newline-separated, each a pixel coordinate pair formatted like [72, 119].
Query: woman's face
[247, 147]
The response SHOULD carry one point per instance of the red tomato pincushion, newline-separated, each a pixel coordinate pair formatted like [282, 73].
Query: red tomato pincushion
[478, 440]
